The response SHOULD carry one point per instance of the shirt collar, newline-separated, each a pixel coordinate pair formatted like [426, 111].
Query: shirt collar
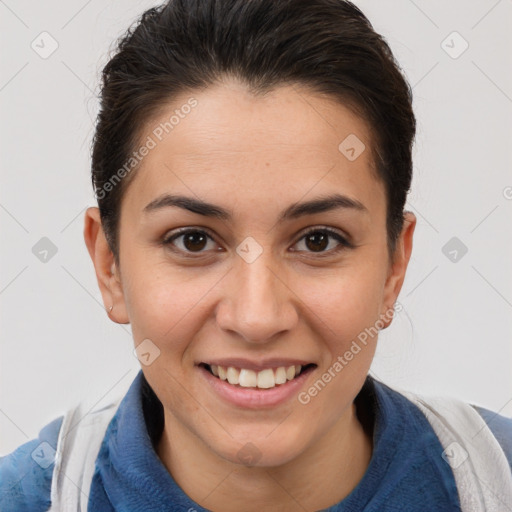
[135, 478]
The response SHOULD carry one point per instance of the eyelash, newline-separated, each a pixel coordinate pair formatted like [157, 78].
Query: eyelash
[343, 242]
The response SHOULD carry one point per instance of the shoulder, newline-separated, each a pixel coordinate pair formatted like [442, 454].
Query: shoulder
[459, 416]
[501, 427]
[464, 432]
[26, 473]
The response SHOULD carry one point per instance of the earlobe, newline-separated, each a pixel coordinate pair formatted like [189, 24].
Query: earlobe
[104, 265]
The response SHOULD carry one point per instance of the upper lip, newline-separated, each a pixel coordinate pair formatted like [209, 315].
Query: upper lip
[240, 362]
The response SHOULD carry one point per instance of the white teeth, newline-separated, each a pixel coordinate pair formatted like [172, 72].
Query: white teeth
[264, 379]
[281, 375]
[248, 378]
[232, 374]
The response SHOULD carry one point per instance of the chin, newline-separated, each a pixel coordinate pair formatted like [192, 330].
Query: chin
[261, 451]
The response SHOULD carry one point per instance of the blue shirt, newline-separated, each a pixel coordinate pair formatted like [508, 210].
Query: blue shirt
[406, 470]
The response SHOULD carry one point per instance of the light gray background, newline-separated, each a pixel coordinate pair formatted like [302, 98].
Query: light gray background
[58, 346]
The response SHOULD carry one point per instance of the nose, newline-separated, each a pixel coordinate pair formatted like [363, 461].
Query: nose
[258, 303]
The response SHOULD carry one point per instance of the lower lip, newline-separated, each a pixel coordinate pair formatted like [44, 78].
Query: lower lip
[254, 398]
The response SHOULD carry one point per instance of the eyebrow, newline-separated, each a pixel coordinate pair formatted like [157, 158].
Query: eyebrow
[294, 211]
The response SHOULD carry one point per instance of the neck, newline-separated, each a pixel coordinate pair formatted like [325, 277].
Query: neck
[321, 476]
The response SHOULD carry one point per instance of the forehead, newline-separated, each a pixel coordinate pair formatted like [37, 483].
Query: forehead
[234, 147]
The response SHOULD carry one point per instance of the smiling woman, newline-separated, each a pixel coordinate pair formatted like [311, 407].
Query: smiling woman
[251, 163]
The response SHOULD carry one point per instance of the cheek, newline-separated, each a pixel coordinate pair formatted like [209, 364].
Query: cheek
[166, 305]
[346, 303]
[346, 309]
[167, 309]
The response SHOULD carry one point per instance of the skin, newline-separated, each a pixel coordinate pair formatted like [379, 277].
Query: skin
[254, 157]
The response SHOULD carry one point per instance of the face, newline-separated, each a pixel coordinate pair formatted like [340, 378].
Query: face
[243, 284]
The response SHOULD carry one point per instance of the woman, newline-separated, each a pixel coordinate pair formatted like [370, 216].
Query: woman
[251, 163]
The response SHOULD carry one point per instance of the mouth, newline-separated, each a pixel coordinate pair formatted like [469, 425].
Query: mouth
[267, 378]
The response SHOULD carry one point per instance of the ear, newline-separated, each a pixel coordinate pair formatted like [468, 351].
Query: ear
[398, 267]
[107, 273]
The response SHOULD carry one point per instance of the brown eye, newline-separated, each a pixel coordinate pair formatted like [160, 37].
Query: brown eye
[317, 240]
[192, 240]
